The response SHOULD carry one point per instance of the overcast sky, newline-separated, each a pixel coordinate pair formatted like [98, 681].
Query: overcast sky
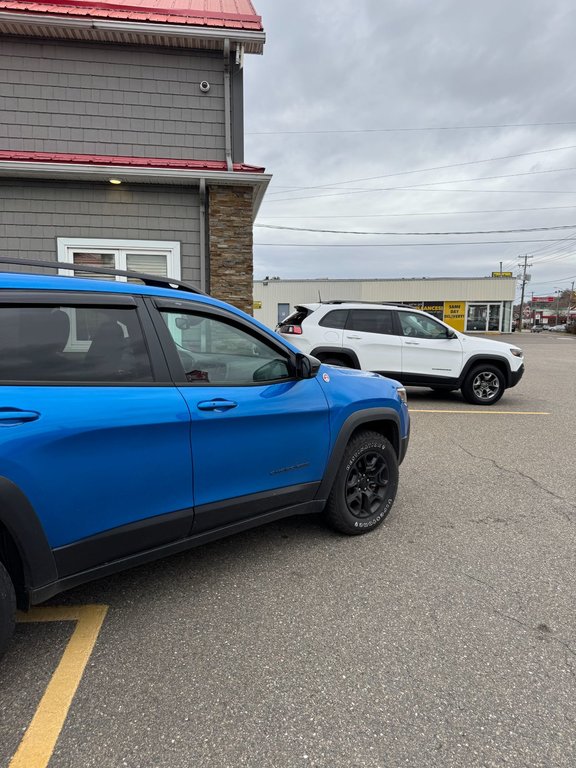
[336, 76]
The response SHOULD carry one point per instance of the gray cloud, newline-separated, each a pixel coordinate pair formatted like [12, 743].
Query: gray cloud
[334, 66]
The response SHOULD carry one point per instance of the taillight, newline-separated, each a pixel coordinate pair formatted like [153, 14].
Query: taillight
[295, 329]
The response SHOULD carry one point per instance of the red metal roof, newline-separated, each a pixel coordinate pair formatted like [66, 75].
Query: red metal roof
[133, 162]
[225, 14]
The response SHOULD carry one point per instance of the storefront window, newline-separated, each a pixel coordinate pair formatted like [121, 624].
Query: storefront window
[476, 317]
[494, 317]
[484, 317]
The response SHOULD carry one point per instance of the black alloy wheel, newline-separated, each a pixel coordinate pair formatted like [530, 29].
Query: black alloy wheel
[365, 486]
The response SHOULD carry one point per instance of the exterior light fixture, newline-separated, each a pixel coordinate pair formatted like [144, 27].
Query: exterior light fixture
[115, 181]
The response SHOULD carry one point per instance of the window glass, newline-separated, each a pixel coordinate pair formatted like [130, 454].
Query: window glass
[477, 317]
[283, 312]
[371, 321]
[95, 260]
[68, 344]
[494, 317]
[421, 326]
[213, 351]
[335, 319]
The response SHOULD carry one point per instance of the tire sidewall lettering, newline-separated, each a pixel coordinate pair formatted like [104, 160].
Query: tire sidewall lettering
[384, 448]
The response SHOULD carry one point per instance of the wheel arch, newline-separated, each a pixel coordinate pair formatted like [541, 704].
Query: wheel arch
[341, 352]
[24, 549]
[498, 362]
[386, 421]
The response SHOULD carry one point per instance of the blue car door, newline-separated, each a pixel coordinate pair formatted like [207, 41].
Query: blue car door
[260, 435]
[89, 431]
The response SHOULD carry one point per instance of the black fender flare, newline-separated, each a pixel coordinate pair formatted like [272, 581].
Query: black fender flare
[477, 359]
[20, 520]
[355, 420]
[337, 351]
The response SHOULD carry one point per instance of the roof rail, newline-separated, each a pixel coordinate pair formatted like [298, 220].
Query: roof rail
[360, 301]
[155, 281]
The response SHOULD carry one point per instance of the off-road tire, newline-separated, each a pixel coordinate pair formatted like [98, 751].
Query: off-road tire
[484, 385]
[365, 485]
[7, 608]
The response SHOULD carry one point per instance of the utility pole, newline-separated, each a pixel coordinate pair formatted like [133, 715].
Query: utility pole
[525, 267]
[570, 303]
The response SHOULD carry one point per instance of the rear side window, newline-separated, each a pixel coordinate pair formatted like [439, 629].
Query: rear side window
[335, 319]
[371, 321]
[72, 344]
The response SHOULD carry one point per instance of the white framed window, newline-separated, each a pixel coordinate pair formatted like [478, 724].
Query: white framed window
[155, 257]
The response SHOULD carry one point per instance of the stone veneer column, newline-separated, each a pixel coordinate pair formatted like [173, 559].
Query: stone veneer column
[230, 245]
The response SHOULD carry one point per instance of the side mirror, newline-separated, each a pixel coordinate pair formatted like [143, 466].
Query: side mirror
[307, 366]
[451, 335]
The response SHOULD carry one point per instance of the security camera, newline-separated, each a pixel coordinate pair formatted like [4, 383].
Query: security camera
[204, 86]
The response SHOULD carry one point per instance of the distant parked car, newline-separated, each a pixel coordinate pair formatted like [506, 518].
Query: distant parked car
[560, 328]
[538, 328]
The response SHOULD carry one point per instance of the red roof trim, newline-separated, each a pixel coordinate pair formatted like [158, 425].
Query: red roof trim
[132, 162]
[160, 11]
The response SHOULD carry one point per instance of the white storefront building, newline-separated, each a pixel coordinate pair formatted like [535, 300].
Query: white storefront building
[473, 304]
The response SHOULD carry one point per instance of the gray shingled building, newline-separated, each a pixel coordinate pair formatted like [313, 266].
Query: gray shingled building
[121, 138]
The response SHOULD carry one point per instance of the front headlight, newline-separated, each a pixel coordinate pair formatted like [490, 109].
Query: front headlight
[517, 352]
[402, 395]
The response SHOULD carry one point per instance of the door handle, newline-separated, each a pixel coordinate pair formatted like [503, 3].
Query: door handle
[10, 417]
[412, 343]
[353, 337]
[218, 404]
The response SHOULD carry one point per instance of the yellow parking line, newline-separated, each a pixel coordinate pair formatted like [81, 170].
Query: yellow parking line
[486, 412]
[36, 747]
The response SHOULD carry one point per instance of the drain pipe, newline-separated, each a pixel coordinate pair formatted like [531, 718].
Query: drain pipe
[227, 106]
[204, 272]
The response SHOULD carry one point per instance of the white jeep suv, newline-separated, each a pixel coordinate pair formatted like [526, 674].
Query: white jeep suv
[405, 344]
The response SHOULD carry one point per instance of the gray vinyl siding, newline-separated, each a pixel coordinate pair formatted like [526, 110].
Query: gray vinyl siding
[110, 100]
[34, 214]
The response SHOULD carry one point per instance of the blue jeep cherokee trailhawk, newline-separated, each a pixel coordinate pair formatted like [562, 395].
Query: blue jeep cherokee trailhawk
[140, 419]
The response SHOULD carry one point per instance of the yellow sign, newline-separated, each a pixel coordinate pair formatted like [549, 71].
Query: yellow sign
[455, 314]
[257, 305]
[502, 274]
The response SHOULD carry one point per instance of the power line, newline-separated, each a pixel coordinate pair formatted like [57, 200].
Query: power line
[557, 280]
[554, 249]
[419, 213]
[403, 129]
[418, 186]
[426, 170]
[400, 245]
[412, 234]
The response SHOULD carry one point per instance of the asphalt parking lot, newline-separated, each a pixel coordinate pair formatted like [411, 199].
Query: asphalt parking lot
[445, 638]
